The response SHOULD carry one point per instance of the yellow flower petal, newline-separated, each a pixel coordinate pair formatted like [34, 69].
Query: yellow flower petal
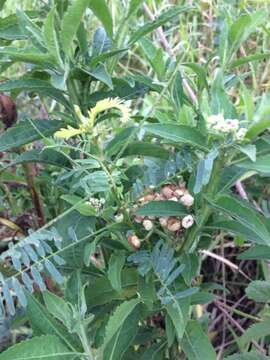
[107, 104]
[68, 133]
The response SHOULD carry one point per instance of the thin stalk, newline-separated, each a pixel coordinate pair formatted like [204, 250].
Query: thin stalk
[210, 192]
[85, 343]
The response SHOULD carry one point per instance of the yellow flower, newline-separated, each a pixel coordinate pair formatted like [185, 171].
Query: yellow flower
[88, 123]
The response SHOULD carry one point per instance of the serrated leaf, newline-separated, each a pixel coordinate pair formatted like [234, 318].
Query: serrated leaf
[47, 347]
[178, 134]
[116, 264]
[116, 348]
[43, 323]
[178, 313]
[71, 22]
[161, 20]
[195, 343]
[118, 317]
[26, 132]
[58, 308]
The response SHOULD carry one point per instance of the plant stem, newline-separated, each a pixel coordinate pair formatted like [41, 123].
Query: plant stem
[85, 343]
[210, 192]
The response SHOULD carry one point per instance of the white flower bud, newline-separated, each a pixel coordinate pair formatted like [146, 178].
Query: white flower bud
[233, 124]
[174, 198]
[173, 224]
[163, 221]
[187, 221]
[187, 200]
[167, 192]
[241, 133]
[134, 241]
[119, 218]
[178, 193]
[148, 225]
[214, 119]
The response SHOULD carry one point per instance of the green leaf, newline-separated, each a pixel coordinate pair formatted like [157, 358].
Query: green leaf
[71, 22]
[116, 264]
[117, 319]
[51, 38]
[58, 308]
[178, 312]
[133, 6]
[28, 131]
[262, 164]
[204, 171]
[101, 291]
[178, 134]
[241, 29]
[45, 156]
[141, 148]
[257, 128]
[162, 208]
[259, 291]
[31, 30]
[83, 208]
[161, 20]
[257, 252]
[2, 3]
[238, 229]
[47, 347]
[244, 214]
[247, 356]
[28, 55]
[249, 150]
[40, 86]
[43, 323]
[249, 58]
[154, 352]
[196, 344]
[221, 102]
[124, 337]
[255, 332]
[102, 12]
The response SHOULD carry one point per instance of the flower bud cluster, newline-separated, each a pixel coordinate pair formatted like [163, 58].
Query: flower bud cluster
[171, 192]
[96, 203]
[218, 124]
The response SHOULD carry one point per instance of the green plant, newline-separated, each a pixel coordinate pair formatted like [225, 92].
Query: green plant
[139, 197]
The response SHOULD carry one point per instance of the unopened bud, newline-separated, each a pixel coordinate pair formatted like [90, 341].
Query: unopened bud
[187, 200]
[187, 221]
[119, 218]
[163, 221]
[138, 219]
[148, 225]
[167, 192]
[173, 224]
[134, 241]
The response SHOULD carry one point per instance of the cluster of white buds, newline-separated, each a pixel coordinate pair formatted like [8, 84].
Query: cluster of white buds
[171, 192]
[218, 124]
[96, 203]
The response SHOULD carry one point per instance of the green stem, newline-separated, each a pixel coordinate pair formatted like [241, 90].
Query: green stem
[85, 342]
[211, 190]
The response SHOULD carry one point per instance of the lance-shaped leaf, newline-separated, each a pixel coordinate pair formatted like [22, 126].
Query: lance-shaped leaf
[162, 208]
